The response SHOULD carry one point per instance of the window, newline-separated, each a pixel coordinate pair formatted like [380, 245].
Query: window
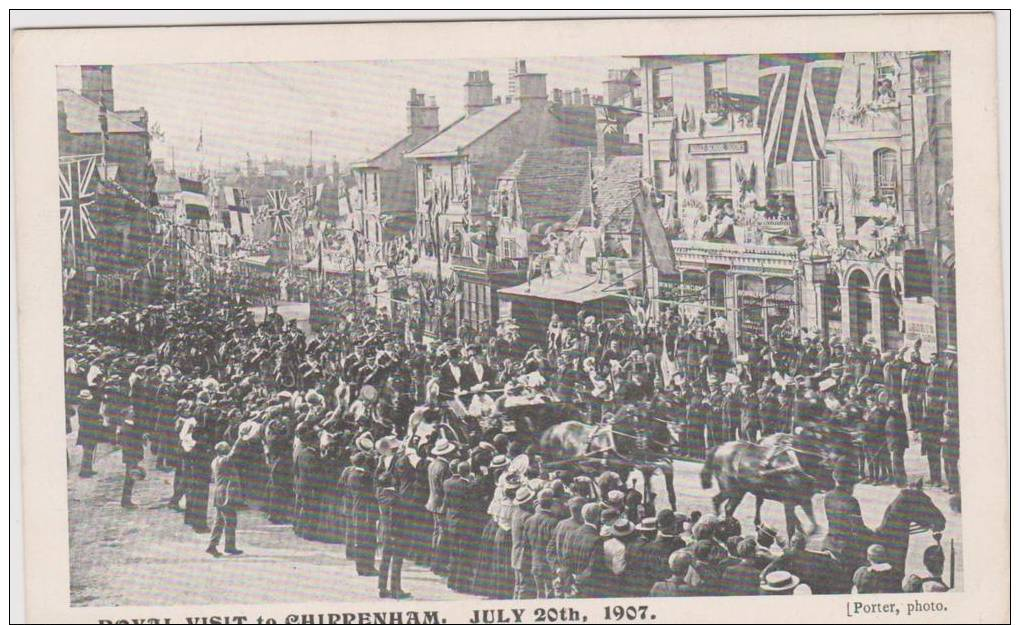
[830, 174]
[885, 84]
[508, 248]
[885, 176]
[717, 294]
[718, 181]
[662, 92]
[715, 86]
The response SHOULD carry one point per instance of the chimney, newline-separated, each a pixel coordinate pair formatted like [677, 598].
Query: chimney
[557, 96]
[422, 114]
[531, 89]
[477, 91]
[97, 84]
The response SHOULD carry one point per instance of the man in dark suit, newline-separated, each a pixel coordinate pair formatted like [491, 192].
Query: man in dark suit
[651, 559]
[585, 553]
[452, 376]
[742, 578]
[538, 534]
[459, 498]
[225, 477]
[476, 373]
[848, 537]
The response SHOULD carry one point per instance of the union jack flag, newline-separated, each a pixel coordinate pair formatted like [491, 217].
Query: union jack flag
[279, 210]
[77, 195]
[799, 92]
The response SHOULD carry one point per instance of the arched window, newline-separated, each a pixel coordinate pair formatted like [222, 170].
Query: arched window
[886, 175]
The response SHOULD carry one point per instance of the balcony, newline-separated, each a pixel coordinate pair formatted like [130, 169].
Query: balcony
[489, 264]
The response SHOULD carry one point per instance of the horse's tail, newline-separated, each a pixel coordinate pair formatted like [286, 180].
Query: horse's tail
[708, 468]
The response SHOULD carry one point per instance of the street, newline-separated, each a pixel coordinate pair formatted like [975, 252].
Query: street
[149, 557]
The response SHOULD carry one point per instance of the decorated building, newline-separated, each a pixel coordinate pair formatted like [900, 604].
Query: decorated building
[804, 190]
[111, 237]
[385, 183]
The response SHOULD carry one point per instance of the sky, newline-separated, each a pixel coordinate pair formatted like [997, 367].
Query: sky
[354, 109]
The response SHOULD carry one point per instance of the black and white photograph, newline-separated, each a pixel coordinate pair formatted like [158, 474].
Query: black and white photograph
[512, 327]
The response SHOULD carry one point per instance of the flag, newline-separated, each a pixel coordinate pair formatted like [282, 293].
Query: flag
[239, 210]
[279, 210]
[194, 200]
[799, 94]
[674, 158]
[77, 194]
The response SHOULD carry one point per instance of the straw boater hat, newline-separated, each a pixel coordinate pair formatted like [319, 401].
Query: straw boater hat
[523, 496]
[443, 448]
[364, 442]
[499, 461]
[779, 583]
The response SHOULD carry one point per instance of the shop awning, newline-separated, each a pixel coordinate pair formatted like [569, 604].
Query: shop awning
[573, 288]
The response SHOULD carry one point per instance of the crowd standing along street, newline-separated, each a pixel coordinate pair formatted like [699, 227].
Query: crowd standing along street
[518, 332]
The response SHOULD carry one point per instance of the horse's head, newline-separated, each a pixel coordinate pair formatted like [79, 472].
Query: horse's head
[914, 507]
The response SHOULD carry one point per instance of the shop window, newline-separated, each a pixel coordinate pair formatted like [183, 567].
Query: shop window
[781, 304]
[750, 305]
[717, 294]
[662, 92]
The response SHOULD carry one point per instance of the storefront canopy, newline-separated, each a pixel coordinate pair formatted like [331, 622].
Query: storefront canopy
[573, 288]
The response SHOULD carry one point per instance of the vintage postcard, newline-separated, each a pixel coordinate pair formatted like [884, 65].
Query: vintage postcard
[512, 322]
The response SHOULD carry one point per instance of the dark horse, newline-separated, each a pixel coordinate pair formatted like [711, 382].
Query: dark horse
[631, 439]
[741, 467]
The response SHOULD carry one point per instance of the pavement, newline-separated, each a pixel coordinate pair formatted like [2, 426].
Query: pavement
[149, 557]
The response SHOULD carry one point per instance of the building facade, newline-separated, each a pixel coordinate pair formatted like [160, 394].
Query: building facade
[107, 192]
[803, 189]
[385, 183]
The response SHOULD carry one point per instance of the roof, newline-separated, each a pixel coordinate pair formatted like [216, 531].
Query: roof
[615, 191]
[571, 287]
[552, 184]
[405, 144]
[83, 116]
[465, 131]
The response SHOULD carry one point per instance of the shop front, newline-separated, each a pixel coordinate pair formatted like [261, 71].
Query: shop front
[752, 292]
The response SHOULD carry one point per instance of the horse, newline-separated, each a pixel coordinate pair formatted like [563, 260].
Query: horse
[739, 467]
[911, 512]
[622, 443]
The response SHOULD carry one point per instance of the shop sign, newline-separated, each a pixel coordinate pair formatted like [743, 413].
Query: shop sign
[717, 147]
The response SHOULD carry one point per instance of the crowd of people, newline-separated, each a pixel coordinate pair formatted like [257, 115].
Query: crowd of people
[344, 435]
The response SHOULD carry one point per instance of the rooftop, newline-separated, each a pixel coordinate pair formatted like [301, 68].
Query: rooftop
[465, 131]
[552, 184]
[615, 191]
[83, 116]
